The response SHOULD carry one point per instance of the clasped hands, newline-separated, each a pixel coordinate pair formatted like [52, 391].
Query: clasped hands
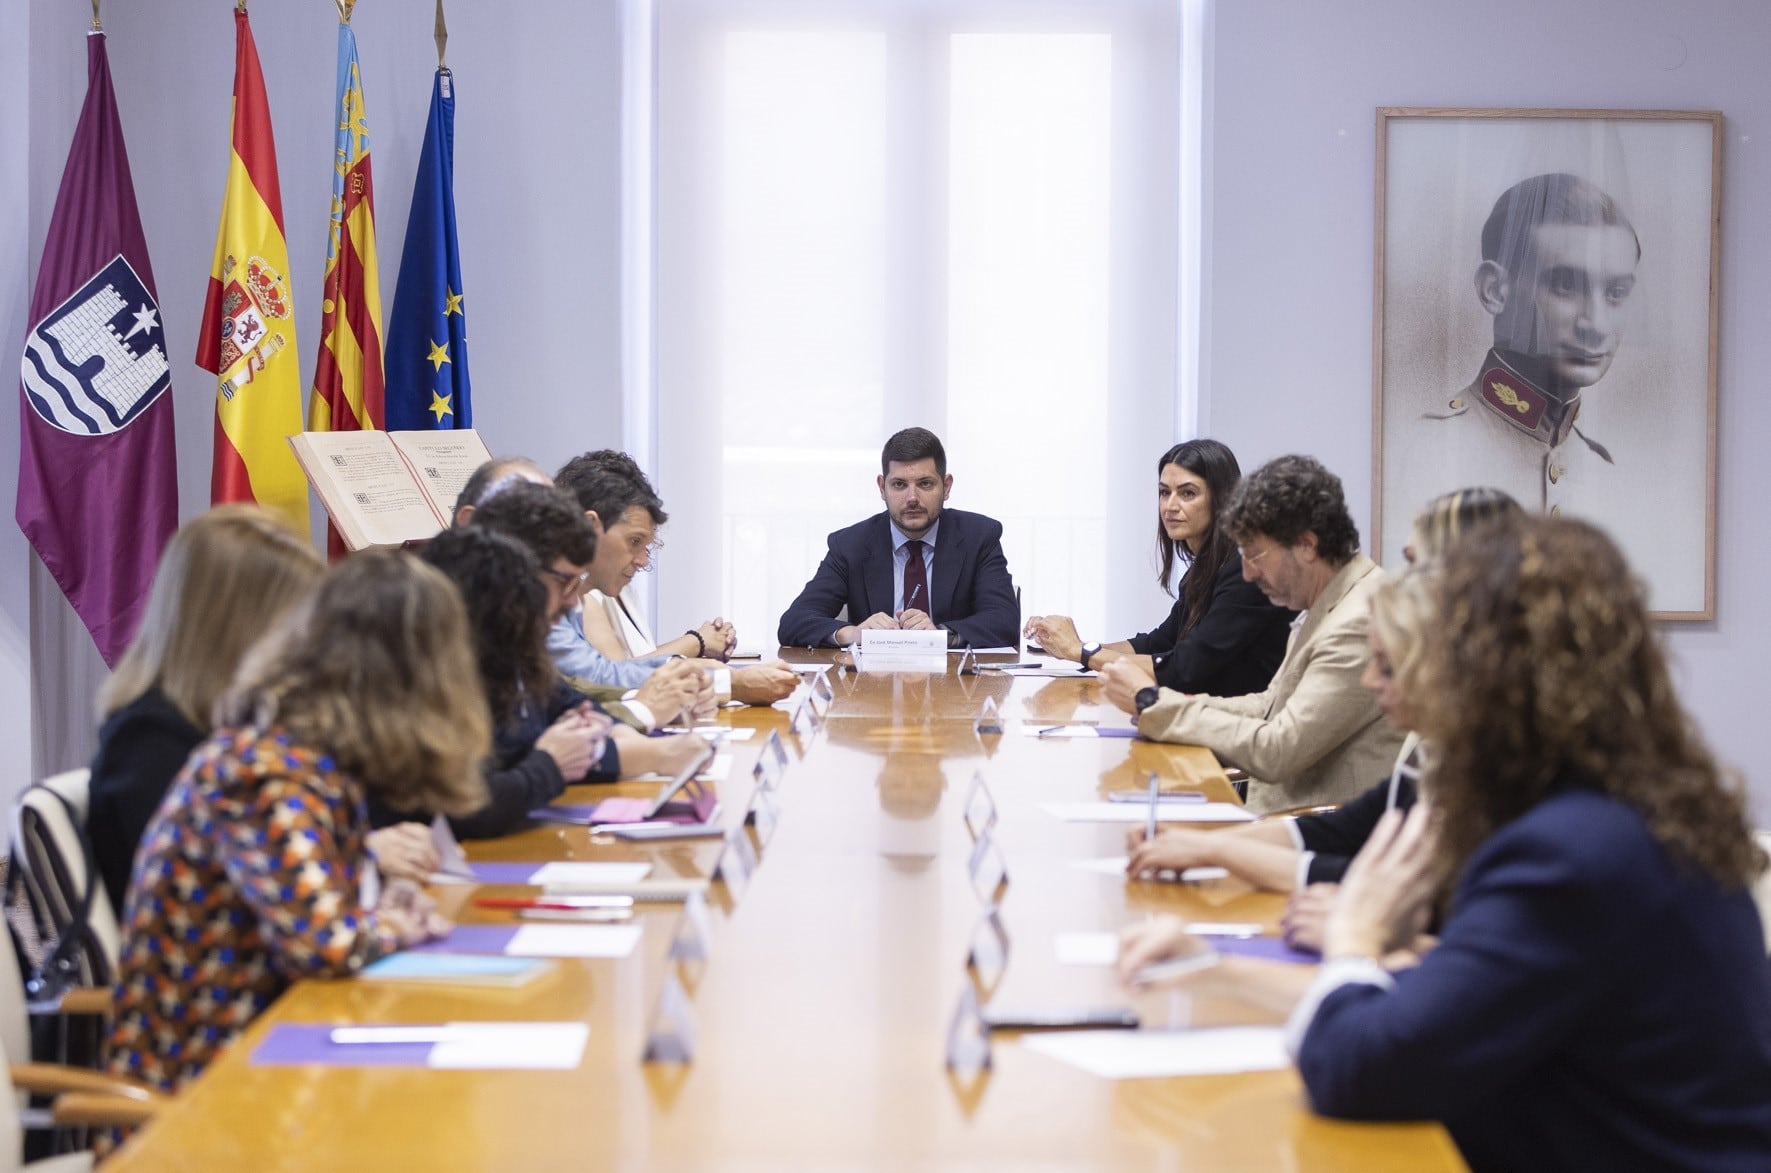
[909, 619]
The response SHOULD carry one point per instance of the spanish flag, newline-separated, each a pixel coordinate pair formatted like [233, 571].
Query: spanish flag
[247, 335]
[348, 379]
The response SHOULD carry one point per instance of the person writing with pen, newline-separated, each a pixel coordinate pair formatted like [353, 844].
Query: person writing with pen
[1597, 996]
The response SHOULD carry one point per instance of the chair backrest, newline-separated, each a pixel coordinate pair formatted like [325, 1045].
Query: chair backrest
[49, 849]
[1762, 887]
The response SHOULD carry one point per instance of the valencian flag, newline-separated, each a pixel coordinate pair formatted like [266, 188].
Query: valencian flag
[427, 383]
[247, 337]
[97, 475]
[347, 379]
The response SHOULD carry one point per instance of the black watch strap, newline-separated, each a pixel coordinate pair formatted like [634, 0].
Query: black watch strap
[1088, 653]
[1146, 696]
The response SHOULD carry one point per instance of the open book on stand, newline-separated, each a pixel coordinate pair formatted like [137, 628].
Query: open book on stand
[389, 488]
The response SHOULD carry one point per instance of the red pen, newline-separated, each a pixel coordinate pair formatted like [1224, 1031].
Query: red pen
[556, 903]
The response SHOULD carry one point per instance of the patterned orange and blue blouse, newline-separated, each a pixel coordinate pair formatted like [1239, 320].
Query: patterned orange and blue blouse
[249, 878]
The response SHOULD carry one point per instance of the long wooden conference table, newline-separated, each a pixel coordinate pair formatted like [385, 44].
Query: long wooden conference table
[823, 1006]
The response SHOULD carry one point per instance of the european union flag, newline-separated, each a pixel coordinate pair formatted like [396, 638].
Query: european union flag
[426, 354]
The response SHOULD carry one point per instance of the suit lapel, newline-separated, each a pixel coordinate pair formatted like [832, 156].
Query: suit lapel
[950, 553]
[876, 574]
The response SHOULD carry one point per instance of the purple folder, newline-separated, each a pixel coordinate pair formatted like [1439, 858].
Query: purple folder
[472, 939]
[290, 1043]
[1264, 948]
[504, 873]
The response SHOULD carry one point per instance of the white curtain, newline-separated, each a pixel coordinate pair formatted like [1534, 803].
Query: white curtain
[878, 214]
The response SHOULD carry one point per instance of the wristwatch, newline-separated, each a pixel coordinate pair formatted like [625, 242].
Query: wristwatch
[1088, 653]
[1146, 696]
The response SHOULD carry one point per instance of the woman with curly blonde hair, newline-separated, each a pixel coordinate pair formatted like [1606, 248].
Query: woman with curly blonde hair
[255, 870]
[1598, 997]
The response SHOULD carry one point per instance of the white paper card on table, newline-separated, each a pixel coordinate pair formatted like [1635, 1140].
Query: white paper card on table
[980, 806]
[726, 732]
[989, 718]
[1064, 668]
[694, 935]
[452, 866]
[1166, 812]
[540, 1046]
[1158, 1054]
[904, 640]
[989, 951]
[1086, 948]
[764, 814]
[671, 1037]
[586, 872]
[574, 941]
[988, 869]
[968, 1039]
[1115, 865]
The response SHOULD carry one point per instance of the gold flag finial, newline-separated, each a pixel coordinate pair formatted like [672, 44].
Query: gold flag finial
[442, 35]
[96, 27]
[345, 8]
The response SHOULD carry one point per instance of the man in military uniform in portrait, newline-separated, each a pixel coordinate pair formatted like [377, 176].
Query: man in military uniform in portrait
[1558, 266]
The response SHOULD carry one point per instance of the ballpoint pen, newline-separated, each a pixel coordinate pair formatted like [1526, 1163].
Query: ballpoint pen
[1155, 797]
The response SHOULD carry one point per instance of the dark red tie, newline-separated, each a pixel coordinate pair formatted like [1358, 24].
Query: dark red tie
[916, 578]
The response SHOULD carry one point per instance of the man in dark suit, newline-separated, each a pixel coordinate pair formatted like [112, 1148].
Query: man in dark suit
[918, 565]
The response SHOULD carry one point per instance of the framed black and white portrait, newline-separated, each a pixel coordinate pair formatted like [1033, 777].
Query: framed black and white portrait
[1545, 323]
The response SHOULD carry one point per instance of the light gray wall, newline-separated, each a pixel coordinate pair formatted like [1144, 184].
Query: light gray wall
[1289, 220]
[16, 255]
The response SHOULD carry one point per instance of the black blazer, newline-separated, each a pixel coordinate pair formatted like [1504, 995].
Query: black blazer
[972, 594]
[141, 748]
[1235, 647]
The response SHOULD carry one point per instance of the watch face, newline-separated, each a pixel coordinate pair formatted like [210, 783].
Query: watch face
[1146, 697]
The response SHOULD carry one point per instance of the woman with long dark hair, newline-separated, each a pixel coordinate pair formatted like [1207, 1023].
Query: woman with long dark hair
[1222, 636]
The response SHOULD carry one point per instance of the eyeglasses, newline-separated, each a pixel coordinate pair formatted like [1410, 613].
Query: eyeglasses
[1255, 560]
[568, 582]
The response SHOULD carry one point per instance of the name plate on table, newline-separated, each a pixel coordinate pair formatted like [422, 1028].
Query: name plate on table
[903, 642]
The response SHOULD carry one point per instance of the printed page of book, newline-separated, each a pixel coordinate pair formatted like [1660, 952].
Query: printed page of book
[366, 488]
[441, 463]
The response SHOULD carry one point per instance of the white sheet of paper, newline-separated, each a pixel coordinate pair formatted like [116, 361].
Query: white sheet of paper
[1133, 812]
[1086, 948]
[896, 640]
[1053, 668]
[1114, 865]
[574, 941]
[728, 732]
[983, 652]
[564, 872]
[1156, 1054]
[540, 1046]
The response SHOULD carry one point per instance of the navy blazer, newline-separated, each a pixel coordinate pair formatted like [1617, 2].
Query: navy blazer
[1592, 1004]
[971, 592]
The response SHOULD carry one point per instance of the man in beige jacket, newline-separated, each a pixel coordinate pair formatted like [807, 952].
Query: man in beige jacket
[1315, 736]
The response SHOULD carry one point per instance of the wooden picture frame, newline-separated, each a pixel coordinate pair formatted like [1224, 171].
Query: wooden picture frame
[1544, 321]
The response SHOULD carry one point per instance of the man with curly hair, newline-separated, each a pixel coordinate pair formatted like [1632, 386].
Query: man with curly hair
[1314, 736]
